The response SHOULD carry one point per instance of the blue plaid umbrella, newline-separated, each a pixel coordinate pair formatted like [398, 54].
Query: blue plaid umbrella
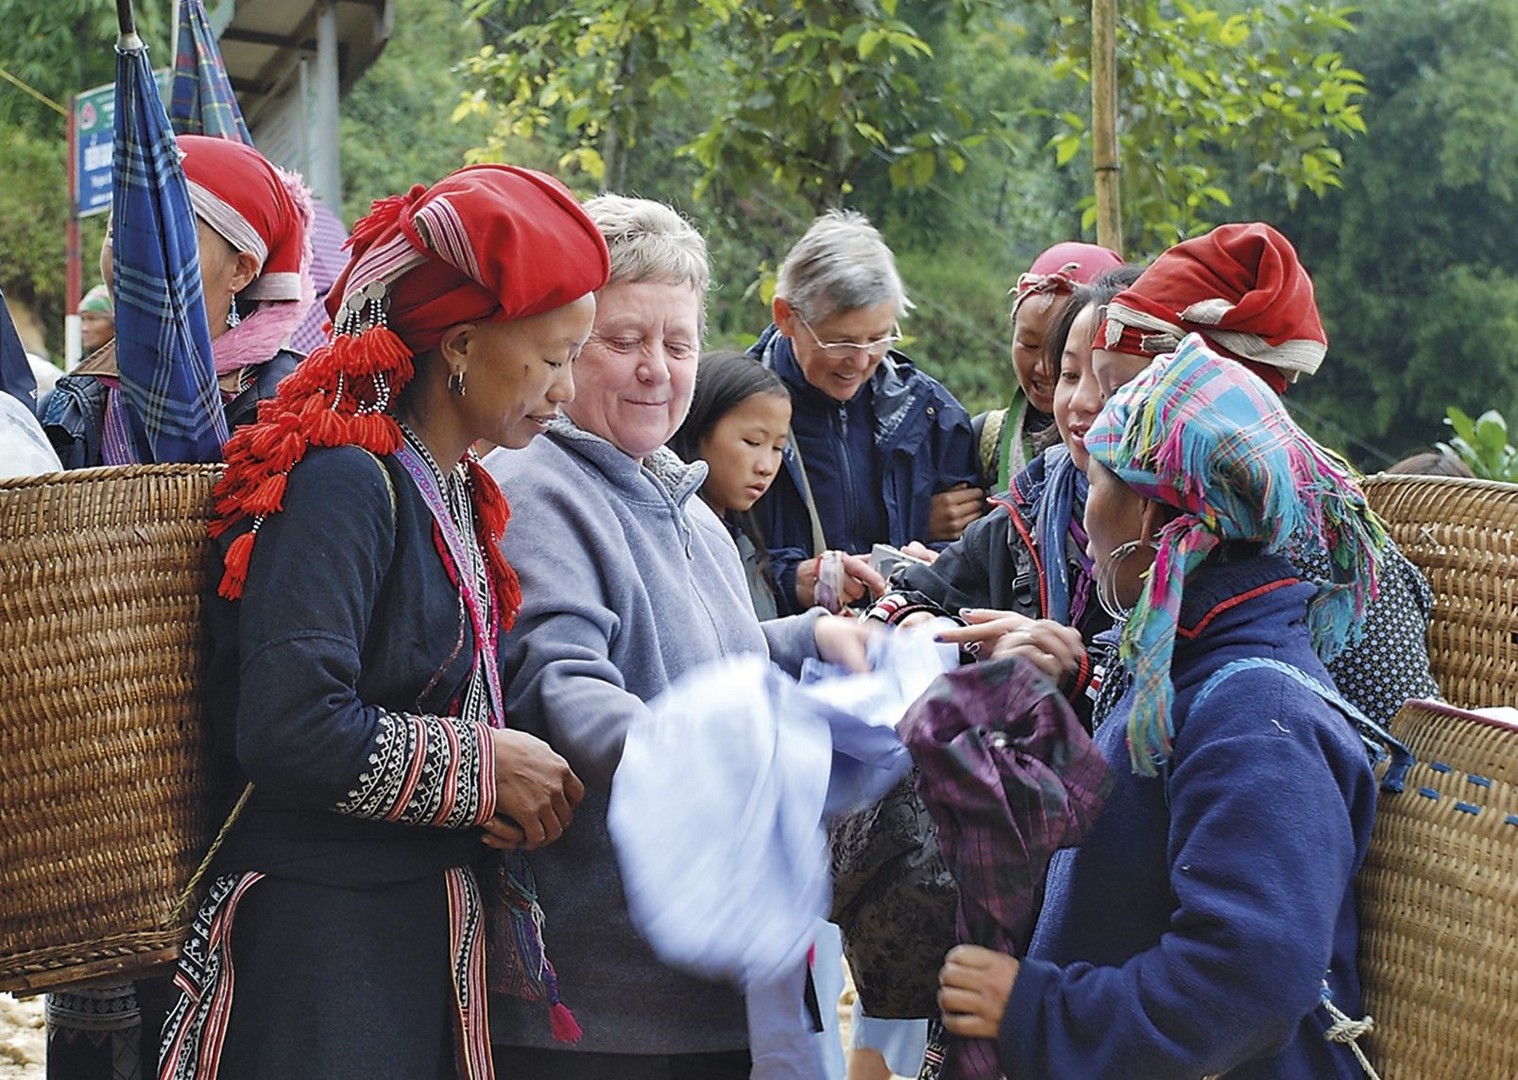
[16, 376]
[203, 102]
[163, 344]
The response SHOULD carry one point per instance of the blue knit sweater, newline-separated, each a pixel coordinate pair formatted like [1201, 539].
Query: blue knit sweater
[1193, 930]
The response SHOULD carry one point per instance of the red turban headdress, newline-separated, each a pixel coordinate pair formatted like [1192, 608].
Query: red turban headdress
[486, 243]
[1241, 287]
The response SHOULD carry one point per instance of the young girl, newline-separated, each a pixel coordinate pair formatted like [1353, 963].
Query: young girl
[1005, 436]
[738, 424]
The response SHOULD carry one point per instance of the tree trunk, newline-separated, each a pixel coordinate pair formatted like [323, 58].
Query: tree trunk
[1104, 159]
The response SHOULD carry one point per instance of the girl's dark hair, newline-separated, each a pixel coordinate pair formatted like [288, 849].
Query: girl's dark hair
[1100, 292]
[724, 380]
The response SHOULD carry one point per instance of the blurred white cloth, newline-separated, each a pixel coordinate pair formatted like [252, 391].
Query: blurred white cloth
[24, 449]
[718, 812]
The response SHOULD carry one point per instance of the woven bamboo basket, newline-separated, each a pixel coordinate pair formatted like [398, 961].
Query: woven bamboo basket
[1439, 903]
[104, 787]
[1463, 535]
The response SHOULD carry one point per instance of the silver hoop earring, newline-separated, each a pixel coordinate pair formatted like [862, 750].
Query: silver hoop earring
[1106, 580]
[456, 381]
[233, 317]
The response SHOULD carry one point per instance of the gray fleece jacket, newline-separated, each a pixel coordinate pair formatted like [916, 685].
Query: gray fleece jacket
[628, 581]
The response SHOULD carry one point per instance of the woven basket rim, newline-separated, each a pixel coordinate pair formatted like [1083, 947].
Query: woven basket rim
[112, 473]
[1455, 712]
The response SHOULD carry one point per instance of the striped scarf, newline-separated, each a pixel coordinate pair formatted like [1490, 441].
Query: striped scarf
[1200, 433]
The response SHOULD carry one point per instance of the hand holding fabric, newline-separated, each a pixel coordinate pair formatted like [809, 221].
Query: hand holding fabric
[974, 988]
[855, 578]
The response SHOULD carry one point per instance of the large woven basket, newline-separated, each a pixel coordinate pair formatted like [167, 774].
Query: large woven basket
[1439, 903]
[103, 783]
[1463, 535]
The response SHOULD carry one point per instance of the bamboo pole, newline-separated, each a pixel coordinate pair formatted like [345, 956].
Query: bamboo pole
[1104, 159]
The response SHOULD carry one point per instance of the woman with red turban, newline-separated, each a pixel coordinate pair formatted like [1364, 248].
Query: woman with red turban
[355, 682]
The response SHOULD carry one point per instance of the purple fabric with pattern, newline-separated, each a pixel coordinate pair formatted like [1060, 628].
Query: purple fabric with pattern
[1010, 776]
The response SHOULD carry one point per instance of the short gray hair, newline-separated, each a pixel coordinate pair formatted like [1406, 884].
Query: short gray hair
[841, 264]
[650, 241]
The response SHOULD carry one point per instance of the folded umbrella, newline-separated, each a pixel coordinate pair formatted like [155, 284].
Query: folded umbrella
[163, 342]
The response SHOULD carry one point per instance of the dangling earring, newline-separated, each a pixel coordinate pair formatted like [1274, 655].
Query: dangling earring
[233, 317]
[456, 381]
[1106, 580]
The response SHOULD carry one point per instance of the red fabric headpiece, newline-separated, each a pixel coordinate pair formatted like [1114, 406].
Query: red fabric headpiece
[1241, 287]
[474, 247]
[1061, 268]
[487, 243]
[235, 190]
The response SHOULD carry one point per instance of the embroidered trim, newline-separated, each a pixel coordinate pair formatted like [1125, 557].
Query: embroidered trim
[426, 770]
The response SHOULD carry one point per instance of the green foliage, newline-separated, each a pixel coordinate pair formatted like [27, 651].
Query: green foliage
[33, 206]
[64, 46]
[59, 48]
[1199, 88]
[585, 72]
[1414, 265]
[794, 95]
[397, 123]
[1483, 444]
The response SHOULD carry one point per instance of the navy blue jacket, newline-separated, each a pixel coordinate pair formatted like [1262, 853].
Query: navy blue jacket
[1193, 929]
[923, 445]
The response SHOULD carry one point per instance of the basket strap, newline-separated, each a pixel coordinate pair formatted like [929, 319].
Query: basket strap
[193, 886]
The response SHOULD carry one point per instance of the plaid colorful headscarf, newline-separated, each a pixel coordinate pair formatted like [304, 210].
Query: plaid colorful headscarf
[1199, 432]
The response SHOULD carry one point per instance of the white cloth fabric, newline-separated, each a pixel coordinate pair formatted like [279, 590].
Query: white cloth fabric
[718, 811]
[24, 449]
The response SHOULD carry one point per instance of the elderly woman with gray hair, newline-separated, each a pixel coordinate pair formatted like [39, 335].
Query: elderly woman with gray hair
[882, 452]
[629, 581]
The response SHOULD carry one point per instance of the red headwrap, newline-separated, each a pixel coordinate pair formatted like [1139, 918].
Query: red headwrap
[486, 243]
[1061, 268]
[471, 248]
[235, 190]
[1241, 287]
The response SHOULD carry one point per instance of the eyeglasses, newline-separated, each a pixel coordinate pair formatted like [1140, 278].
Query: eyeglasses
[843, 350]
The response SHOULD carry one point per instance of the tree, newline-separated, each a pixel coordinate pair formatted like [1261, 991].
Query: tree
[397, 122]
[1413, 260]
[805, 91]
[58, 48]
[1198, 88]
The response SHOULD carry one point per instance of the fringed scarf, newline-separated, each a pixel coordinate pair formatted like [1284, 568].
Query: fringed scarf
[1202, 434]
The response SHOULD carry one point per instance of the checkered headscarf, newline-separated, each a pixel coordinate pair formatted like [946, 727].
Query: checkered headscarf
[1200, 433]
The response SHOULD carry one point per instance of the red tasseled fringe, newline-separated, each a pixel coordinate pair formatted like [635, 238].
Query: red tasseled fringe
[236, 575]
[382, 214]
[492, 513]
[308, 410]
[562, 1022]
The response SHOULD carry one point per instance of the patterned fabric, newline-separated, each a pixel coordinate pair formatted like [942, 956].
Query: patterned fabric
[163, 342]
[1200, 433]
[196, 1028]
[1009, 776]
[327, 261]
[1059, 269]
[203, 101]
[420, 774]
